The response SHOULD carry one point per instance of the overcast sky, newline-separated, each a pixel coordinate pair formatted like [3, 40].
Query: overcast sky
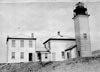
[44, 19]
[19, 1]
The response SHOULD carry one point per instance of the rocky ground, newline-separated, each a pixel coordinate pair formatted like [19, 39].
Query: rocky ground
[87, 64]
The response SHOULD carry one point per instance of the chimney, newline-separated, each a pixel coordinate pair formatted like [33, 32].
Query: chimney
[32, 35]
[58, 33]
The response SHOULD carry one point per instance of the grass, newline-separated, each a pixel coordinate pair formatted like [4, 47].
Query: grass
[86, 64]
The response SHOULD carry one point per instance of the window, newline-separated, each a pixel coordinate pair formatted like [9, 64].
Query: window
[21, 43]
[49, 44]
[22, 55]
[44, 45]
[30, 43]
[13, 55]
[85, 35]
[13, 43]
[46, 56]
[63, 55]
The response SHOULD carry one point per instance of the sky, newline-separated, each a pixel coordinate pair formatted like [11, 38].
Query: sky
[21, 1]
[44, 19]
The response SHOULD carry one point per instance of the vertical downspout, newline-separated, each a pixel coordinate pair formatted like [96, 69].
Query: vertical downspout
[7, 49]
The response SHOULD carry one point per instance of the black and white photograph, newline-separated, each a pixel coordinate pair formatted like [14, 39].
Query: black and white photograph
[49, 35]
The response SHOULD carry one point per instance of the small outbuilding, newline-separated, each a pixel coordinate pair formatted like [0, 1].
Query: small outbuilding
[70, 52]
[43, 55]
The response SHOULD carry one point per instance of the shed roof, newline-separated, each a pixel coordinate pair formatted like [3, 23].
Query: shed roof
[70, 48]
[42, 50]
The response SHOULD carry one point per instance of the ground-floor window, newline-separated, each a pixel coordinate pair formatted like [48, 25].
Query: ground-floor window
[22, 55]
[13, 55]
[63, 55]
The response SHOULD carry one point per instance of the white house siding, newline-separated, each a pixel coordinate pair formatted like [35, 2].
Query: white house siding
[57, 46]
[53, 56]
[73, 53]
[17, 49]
[44, 59]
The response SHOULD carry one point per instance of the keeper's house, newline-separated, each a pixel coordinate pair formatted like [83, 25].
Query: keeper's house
[21, 48]
[56, 47]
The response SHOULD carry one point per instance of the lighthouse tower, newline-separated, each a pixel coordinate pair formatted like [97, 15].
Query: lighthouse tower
[82, 32]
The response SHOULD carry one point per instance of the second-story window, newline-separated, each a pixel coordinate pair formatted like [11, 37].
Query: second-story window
[13, 43]
[30, 43]
[21, 43]
[85, 35]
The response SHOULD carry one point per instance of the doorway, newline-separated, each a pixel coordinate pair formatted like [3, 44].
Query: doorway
[79, 54]
[30, 56]
[68, 55]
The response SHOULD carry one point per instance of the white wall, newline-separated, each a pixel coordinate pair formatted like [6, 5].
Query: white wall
[73, 53]
[57, 46]
[46, 59]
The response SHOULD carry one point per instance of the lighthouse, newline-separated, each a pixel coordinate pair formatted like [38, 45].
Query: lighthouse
[82, 32]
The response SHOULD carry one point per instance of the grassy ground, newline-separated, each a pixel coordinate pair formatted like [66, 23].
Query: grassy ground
[87, 64]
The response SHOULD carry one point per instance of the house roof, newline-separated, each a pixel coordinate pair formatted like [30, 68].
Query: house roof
[70, 48]
[21, 36]
[60, 37]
